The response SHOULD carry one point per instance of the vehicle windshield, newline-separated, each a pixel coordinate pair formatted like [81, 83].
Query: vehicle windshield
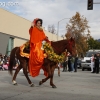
[89, 54]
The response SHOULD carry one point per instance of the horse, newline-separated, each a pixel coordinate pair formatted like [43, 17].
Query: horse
[58, 47]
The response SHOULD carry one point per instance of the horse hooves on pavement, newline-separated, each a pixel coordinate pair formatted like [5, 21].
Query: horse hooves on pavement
[54, 86]
[40, 83]
[15, 84]
[31, 85]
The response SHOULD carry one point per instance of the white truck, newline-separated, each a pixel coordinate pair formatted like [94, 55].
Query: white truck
[86, 62]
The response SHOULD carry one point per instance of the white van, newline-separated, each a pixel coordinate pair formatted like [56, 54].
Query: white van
[86, 62]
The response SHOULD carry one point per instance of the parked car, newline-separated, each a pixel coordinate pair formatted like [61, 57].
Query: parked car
[79, 63]
[86, 62]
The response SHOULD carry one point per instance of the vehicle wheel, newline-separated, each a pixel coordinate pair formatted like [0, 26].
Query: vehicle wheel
[82, 69]
[78, 66]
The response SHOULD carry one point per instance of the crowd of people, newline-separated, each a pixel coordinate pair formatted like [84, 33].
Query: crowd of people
[70, 63]
[4, 62]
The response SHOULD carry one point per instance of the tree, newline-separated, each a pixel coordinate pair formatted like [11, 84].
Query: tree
[93, 44]
[77, 28]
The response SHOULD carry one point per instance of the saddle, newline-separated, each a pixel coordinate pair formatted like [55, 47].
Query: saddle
[25, 49]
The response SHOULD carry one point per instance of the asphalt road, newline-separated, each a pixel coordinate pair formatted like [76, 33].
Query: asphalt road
[70, 86]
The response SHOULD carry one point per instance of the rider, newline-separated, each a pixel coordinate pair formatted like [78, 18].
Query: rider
[37, 36]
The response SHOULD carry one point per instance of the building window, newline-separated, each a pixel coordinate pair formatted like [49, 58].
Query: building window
[10, 45]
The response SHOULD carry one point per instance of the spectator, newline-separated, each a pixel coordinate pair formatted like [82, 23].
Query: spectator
[75, 64]
[65, 63]
[1, 62]
[5, 58]
[96, 59]
[69, 62]
[4, 62]
[72, 64]
[92, 63]
[1, 65]
[5, 66]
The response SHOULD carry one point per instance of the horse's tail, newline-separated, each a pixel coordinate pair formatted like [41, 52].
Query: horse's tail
[12, 59]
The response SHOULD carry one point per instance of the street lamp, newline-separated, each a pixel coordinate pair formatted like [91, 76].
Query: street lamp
[58, 26]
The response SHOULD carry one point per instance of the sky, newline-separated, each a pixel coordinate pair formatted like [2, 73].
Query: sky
[52, 11]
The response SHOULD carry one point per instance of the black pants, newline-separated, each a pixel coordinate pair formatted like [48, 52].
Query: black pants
[69, 65]
[65, 66]
[75, 64]
[75, 67]
[96, 68]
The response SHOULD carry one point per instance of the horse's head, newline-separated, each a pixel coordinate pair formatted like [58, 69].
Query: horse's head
[62, 45]
[71, 46]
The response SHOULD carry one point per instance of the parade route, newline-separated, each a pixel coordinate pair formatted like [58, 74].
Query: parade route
[70, 86]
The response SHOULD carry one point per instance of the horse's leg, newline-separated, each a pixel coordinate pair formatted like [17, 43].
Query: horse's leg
[44, 80]
[15, 75]
[51, 78]
[49, 75]
[59, 71]
[26, 73]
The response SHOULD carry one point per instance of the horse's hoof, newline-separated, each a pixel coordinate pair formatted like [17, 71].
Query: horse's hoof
[54, 86]
[31, 85]
[14, 83]
[59, 75]
[40, 83]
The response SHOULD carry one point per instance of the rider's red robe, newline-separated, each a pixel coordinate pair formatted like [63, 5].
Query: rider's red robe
[36, 53]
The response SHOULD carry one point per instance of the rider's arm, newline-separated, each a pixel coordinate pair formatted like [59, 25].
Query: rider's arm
[30, 30]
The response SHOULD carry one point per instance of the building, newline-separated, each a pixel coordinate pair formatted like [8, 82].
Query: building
[14, 31]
